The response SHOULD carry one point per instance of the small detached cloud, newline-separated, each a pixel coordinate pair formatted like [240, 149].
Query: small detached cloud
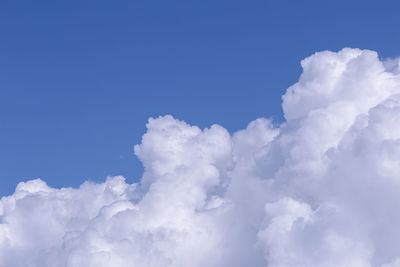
[320, 190]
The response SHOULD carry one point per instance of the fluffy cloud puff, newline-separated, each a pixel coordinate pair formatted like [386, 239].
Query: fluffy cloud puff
[321, 189]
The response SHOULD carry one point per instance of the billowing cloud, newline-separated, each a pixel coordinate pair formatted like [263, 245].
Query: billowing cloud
[320, 190]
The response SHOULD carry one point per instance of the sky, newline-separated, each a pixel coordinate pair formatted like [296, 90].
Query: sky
[202, 134]
[79, 79]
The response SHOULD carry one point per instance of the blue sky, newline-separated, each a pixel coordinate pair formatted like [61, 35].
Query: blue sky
[79, 79]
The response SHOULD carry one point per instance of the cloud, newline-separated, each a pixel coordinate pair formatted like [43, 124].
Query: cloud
[321, 189]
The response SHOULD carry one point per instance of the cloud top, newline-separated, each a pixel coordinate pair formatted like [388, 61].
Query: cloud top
[322, 189]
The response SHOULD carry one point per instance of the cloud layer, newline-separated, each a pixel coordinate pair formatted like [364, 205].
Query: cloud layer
[322, 189]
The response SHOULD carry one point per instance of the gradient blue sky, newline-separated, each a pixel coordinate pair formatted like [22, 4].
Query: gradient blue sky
[79, 79]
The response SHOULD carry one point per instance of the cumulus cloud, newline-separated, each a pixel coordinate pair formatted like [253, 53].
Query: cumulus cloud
[321, 189]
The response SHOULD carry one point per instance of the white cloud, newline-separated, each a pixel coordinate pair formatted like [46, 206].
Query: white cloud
[322, 189]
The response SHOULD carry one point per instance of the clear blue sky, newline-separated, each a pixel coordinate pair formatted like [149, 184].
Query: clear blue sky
[79, 79]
